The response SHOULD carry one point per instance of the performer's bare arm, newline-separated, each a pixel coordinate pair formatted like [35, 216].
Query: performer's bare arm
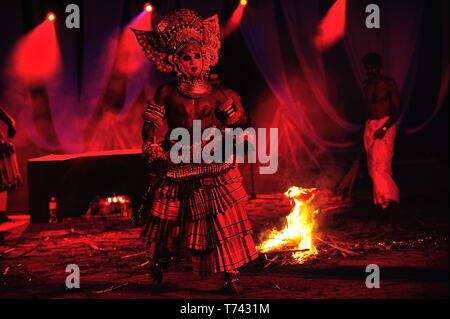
[150, 148]
[148, 130]
[234, 112]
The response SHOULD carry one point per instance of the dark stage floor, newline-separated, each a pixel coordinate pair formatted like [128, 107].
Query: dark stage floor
[412, 253]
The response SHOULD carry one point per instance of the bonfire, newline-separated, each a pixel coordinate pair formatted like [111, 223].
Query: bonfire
[297, 235]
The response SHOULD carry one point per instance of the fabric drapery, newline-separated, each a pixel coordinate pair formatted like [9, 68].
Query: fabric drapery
[75, 93]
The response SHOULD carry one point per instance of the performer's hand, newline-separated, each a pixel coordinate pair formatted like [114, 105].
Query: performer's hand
[379, 134]
[152, 151]
[227, 113]
[11, 130]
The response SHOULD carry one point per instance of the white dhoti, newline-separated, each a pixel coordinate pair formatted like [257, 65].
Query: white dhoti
[379, 161]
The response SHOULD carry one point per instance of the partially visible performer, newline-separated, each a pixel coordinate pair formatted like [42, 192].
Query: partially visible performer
[193, 208]
[8, 175]
[382, 112]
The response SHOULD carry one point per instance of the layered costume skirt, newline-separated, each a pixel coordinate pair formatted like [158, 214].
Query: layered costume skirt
[10, 177]
[198, 209]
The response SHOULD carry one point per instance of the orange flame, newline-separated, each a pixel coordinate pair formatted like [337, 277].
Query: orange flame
[300, 224]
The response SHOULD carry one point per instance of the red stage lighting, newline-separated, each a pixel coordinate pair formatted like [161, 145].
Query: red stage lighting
[51, 16]
[148, 7]
[235, 20]
[332, 27]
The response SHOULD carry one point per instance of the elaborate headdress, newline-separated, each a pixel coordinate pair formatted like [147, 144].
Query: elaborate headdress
[176, 30]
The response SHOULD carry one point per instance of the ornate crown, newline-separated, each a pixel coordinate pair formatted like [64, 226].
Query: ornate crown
[173, 32]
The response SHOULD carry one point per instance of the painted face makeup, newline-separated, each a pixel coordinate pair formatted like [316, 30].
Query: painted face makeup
[191, 59]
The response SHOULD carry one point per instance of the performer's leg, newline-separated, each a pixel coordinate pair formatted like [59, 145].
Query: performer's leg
[160, 260]
[232, 285]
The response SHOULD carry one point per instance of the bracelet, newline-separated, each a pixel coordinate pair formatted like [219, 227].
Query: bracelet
[147, 147]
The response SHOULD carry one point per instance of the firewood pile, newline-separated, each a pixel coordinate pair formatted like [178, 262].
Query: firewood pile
[326, 248]
[329, 247]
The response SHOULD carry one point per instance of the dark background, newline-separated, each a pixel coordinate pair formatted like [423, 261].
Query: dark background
[428, 145]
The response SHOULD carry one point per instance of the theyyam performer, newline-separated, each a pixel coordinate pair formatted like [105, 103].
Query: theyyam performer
[193, 209]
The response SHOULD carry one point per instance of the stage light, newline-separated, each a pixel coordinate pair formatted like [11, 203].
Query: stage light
[148, 7]
[332, 26]
[234, 21]
[50, 16]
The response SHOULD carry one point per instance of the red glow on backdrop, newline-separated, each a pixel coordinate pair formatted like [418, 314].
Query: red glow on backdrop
[111, 130]
[235, 19]
[332, 27]
[36, 57]
[130, 58]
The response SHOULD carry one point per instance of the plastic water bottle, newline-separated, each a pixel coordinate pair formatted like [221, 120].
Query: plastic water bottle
[53, 210]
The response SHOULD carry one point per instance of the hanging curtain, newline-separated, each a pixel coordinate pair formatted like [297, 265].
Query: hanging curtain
[259, 30]
[443, 89]
[396, 40]
[303, 20]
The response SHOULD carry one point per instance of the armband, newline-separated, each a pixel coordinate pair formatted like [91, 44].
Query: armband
[154, 114]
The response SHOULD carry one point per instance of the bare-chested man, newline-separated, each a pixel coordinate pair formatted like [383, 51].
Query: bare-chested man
[382, 112]
[193, 207]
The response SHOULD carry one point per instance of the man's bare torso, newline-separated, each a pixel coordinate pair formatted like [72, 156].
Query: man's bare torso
[377, 95]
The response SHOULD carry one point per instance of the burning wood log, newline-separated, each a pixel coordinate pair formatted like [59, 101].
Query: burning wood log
[271, 261]
[336, 246]
[298, 231]
[297, 239]
[288, 251]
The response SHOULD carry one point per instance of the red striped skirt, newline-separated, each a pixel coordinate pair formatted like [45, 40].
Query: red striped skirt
[204, 217]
